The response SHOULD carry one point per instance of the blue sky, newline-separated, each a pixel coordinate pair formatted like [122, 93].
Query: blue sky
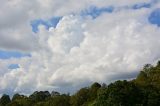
[47, 23]
[5, 54]
[94, 11]
[154, 17]
[13, 66]
[143, 5]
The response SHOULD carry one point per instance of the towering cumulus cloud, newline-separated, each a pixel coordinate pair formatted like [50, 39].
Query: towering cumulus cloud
[80, 48]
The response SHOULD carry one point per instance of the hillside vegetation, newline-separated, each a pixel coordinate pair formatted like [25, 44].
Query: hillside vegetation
[142, 91]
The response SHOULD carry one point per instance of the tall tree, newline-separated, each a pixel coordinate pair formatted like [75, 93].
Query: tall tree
[5, 99]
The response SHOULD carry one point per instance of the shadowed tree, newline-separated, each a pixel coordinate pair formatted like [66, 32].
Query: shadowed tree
[5, 99]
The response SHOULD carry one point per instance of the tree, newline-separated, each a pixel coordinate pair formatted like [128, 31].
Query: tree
[93, 91]
[55, 93]
[14, 103]
[80, 97]
[149, 76]
[20, 100]
[39, 96]
[59, 100]
[18, 97]
[5, 99]
[153, 98]
[120, 93]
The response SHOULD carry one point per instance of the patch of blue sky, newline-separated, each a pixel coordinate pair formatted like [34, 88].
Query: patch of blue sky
[145, 4]
[94, 11]
[4, 54]
[142, 5]
[52, 22]
[13, 66]
[154, 17]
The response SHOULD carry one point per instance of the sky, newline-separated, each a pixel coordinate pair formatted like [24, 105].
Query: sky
[64, 45]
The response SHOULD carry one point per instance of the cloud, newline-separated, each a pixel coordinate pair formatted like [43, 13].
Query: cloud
[78, 50]
[15, 21]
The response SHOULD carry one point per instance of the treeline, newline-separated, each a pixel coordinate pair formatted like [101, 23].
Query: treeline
[142, 91]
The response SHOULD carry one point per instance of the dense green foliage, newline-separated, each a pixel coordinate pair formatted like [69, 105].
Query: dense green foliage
[142, 91]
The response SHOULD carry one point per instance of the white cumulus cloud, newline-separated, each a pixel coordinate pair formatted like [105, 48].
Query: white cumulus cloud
[79, 50]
